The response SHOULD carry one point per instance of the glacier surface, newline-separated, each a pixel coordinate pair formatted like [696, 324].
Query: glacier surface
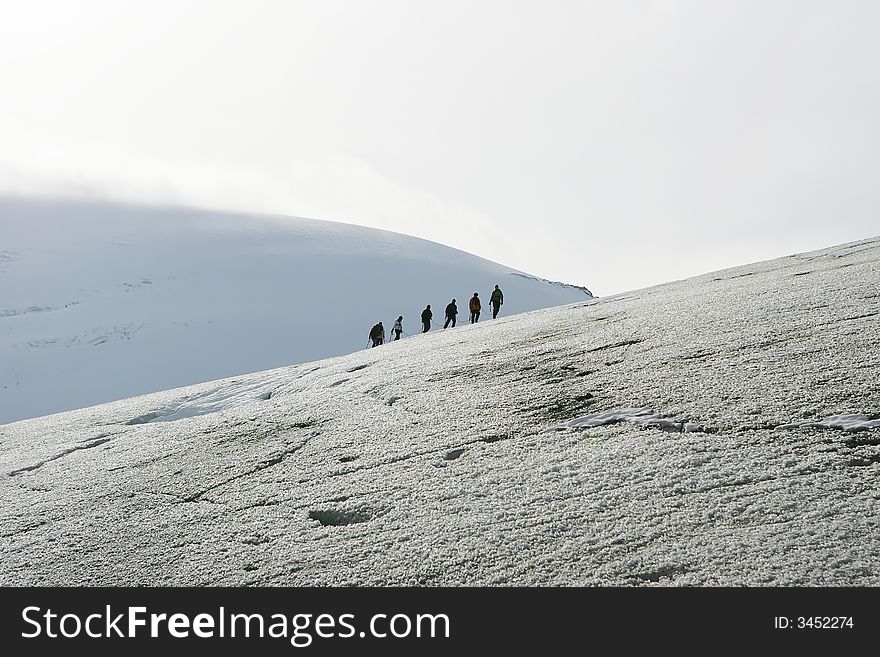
[720, 430]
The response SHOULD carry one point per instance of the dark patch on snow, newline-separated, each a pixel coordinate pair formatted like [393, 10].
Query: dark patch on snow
[338, 518]
[338, 383]
[347, 459]
[693, 427]
[849, 319]
[359, 367]
[572, 370]
[493, 439]
[544, 336]
[454, 454]
[143, 419]
[802, 273]
[98, 437]
[862, 461]
[393, 398]
[623, 343]
[265, 396]
[664, 572]
[467, 372]
[255, 540]
[859, 441]
[560, 407]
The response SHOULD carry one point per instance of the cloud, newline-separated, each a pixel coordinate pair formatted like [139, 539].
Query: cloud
[336, 187]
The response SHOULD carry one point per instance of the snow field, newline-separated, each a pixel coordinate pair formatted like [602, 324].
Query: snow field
[531, 450]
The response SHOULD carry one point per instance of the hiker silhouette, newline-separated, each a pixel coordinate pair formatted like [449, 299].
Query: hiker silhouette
[475, 306]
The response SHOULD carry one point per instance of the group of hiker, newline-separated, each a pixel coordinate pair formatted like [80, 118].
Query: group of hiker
[496, 300]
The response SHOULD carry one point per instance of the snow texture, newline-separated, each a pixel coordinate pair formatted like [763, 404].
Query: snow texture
[102, 301]
[642, 416]
[429, 461]
[847, 422]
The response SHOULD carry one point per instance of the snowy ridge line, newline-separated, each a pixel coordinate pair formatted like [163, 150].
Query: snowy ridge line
[846, 422]
[549, 282]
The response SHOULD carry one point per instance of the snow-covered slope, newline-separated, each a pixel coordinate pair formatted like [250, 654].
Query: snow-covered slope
[102, 301]
[721, 430]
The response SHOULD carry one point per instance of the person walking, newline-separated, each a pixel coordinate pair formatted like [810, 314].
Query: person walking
[497, 300]
[475, 308]
[377, 334]
[451, 312]
[426, 319]
[397, 329]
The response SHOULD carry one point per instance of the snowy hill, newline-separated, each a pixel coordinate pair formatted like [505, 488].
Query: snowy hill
[101, 301]
[721, 430]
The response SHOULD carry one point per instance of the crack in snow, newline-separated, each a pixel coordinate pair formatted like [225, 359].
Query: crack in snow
[275, 459]
[623, 343]
[94, 442]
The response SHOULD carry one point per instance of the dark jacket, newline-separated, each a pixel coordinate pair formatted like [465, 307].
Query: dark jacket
[427, 315]
[497, 297]
[475, 305]
[378, 331]
[451, 310]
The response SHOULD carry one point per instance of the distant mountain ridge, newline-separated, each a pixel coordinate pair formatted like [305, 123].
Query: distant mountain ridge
[102, 301]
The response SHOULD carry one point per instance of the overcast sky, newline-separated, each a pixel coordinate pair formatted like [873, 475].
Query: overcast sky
[613, 144]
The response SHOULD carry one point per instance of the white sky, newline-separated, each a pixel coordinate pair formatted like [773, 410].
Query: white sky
[613, 144]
